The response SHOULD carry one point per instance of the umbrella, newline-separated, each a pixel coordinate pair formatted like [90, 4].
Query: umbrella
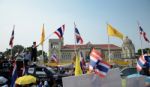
[3, 80]
[26, 79]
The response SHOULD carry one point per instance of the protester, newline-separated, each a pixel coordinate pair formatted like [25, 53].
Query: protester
[27, 57]
[34, 52]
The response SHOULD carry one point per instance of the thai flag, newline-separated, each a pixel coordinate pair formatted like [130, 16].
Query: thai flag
[60, 31]
[77, 36]
[14, 75]
[54, 57]
[94, 57]
[140, 62]
[82, 63]
[102, 68]
[144, 34]
[11, 39]
[141, 30]
[145, 38]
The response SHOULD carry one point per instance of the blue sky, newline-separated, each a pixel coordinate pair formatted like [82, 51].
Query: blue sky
[90, 16]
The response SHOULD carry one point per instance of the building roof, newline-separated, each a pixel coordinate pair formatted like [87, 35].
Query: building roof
[100, 46]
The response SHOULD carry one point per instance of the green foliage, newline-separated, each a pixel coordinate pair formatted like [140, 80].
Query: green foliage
[40, 53]
[29, 49]
[7, 52]
[147, 50]
[139, 52]
[20, 48]
[17, 48]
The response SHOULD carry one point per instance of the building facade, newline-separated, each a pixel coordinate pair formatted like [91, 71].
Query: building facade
[66, 53]
[128, 49]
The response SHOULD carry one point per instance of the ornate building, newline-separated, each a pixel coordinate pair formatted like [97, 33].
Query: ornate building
[128, 48]
[65, 53]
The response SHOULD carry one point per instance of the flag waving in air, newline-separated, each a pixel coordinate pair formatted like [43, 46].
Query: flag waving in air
[77, 35]
[114, 32]
[102, 68]
[144, 34]
[60, 31]
[94, 57]
[97, 64]
[54, 57]
[12, 37]
[42, 36]
[140, 62]
[78, 70]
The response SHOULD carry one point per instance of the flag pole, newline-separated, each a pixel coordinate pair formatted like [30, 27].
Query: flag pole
[109, 48]
[108, 44]
[140, 38]
[11, 52]
[42, 54]
[140, 41]
[42, 44]
[42, 50]
[43, 37]
[75, 40]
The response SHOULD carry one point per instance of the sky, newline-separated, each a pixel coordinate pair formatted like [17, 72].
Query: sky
[91, 18]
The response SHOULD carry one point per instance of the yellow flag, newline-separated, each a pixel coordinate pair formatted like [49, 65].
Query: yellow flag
[42, 36]
[78, 70]
[113, 32]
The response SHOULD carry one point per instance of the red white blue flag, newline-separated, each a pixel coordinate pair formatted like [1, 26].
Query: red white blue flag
[82, 63]
[54, 57]
[140, 62]
[60, 31]
[14, 75]
[94, 57]
[102, 68]
[143, 34]
[97, 64]
[11, 39]
[78, 36]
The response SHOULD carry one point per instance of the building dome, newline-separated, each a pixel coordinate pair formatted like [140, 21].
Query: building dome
[127, 41]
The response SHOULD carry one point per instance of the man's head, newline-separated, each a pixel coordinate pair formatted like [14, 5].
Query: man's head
[34, 43]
